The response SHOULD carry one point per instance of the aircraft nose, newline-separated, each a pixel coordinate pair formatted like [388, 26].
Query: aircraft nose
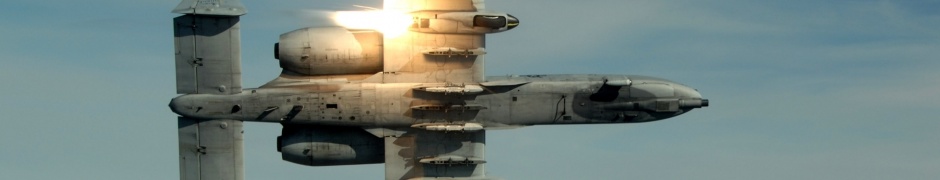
[683, 91]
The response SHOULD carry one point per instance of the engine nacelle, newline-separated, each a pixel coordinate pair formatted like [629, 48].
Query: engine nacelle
[329, 145]
[330, 51]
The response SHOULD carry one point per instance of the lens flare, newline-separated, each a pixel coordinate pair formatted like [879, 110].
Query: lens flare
[390, 23]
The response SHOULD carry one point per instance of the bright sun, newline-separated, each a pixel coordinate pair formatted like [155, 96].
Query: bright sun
[391, 24]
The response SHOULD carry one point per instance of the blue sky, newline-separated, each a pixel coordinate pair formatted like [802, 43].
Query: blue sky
[799, 89]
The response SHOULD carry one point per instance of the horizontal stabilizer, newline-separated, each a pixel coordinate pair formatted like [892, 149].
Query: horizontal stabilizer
[210, 149]
[208, 54]
[211, 7]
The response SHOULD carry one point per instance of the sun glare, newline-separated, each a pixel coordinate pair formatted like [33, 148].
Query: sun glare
[391, 24]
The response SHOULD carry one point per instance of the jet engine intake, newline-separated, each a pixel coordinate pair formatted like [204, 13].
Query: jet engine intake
[330, 51]
[329, 145]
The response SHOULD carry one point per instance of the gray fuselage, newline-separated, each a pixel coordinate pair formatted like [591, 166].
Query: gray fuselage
[538, 99]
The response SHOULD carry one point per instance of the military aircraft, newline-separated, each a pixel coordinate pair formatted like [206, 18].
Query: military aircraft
[412, 95]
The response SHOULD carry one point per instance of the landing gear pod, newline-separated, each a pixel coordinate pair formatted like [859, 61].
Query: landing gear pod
[463, 22]
[495, 22]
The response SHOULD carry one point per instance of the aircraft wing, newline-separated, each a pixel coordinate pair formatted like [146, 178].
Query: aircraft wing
[421, 154]
[432, 56]
[433, 51]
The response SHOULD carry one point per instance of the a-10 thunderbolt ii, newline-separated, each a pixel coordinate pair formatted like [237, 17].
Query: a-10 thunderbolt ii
[415, 99]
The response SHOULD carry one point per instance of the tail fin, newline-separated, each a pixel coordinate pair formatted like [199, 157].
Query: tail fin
[208, 47]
